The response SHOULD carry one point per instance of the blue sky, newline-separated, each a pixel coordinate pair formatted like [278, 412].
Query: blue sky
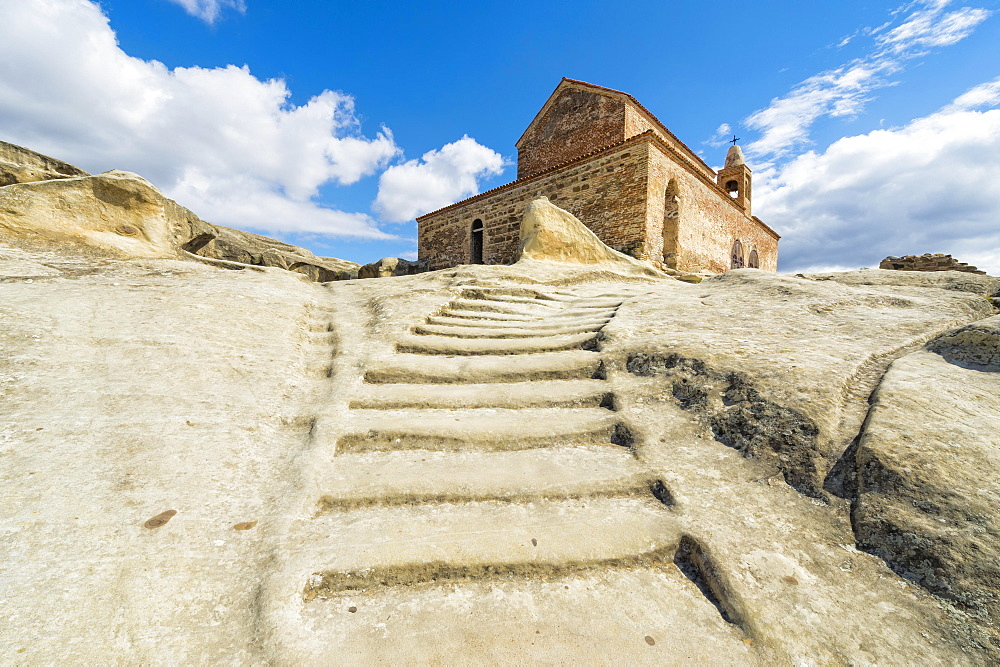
[332, 124]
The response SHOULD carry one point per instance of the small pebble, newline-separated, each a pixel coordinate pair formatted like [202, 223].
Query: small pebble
[650, 640]
[160, 519]
[353, 610]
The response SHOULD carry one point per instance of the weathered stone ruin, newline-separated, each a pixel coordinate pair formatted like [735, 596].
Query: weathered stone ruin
[927, 262]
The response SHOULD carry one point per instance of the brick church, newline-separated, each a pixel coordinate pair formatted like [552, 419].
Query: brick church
[606, 159]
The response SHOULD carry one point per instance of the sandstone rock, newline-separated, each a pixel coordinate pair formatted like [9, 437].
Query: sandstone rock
[548, 233]
[246, 248]
[950, 280]
[388, 267]
[20, 165]
[120, 214]
[927, 467]
[116, 214]
[553, 462]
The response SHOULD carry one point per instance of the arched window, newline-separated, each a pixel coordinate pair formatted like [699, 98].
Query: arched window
[737, 258]
[671, 201]
[753, 262]
[733, 188]
[476, 243]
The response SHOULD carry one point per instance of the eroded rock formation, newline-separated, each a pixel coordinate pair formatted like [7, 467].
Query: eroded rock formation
[927, 262]
[554, 461]
[45, 203]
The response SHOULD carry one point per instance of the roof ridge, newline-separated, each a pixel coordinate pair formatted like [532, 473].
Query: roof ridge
[647, 112]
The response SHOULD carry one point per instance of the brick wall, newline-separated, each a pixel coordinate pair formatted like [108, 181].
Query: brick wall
[574, 123]
[637, 121]
[701, 236]
[606, 191]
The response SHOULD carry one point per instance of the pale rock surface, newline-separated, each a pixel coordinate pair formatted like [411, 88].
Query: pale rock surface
[927, 469]
[577, 460]
[117, 214]
[21, 165]
[235, 245]
[120, 214]
[548, 233]
[354, 483]
[389, 267]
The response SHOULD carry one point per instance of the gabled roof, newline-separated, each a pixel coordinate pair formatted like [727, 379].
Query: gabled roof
[610, 92]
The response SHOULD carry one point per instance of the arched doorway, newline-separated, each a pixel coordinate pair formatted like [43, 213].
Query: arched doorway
[753, 262]
[476, 243]
[737, 257]
[671, 221]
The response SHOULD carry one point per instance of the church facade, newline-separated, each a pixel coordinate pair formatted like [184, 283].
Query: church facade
[599, 154]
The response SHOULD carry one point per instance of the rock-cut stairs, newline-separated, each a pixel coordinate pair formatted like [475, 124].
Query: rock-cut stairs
[487, 448]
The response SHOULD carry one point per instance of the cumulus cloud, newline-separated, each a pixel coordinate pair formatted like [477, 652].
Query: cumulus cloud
[221, 141]
[210, 10]
[785, 123]
[438, 178]
[929, 186]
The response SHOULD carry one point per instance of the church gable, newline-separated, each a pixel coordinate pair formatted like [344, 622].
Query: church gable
[574, 121]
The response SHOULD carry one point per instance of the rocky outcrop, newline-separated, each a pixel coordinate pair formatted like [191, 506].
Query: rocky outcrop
[235, 245]
[115, 214]
[548, 233]
[927, 262]
[927, 467]
[544, 462]
[21, 165]
[388, 267]
[50, 204]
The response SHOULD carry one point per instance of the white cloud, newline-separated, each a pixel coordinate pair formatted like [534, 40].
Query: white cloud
[984, 95]
[721, 136]
[438, 178]
[210, 10]
[929, 186]
[784, 124]
[220, 141]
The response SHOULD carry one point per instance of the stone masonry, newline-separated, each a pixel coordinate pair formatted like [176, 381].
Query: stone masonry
[603, 157]
[927, 262]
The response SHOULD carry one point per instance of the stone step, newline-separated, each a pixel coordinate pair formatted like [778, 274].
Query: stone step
[529, 292]
[413, 477]
[372, 549]
[536, 309]
[476, 295]
[484, 429]
[539, 393]
[564, 314]
[449, 345]
[480, 331]
[423, 369]
[527, 325]
[449, 311]
[596, 302]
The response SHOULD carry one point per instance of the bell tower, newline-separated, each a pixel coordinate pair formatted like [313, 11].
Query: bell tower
[734, 178]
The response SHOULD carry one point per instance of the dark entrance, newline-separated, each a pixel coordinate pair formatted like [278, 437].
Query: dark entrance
[476, 243]
[737, 259]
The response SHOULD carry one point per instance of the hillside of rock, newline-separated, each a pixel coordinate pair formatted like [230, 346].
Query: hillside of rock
[552, 461]
[48, 204]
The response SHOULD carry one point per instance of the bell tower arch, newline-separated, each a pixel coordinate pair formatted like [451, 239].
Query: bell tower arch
[734, 178]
